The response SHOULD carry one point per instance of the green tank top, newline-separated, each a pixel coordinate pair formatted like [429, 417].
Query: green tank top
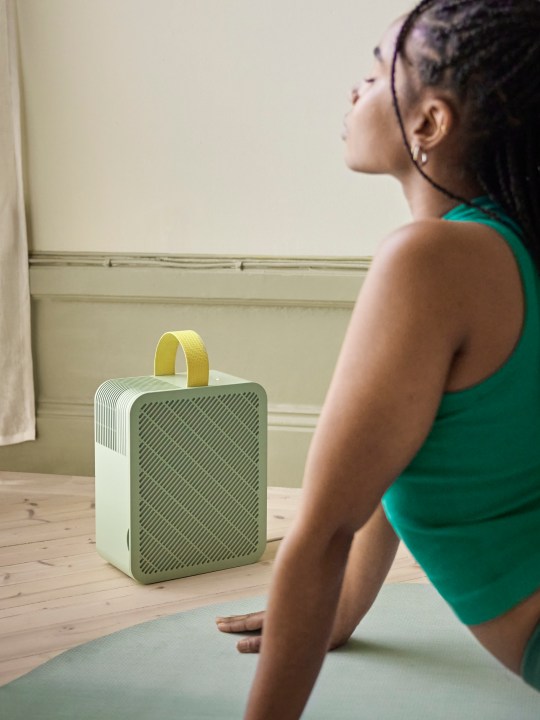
[468, 505]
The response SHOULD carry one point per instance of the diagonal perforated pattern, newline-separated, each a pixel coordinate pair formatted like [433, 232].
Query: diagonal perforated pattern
[198, 481]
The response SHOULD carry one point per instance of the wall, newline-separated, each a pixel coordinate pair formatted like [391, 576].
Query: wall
[97, 317]
[199, 126]
[183, 168]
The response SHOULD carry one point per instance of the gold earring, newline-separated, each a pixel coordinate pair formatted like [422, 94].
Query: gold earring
[415, 152]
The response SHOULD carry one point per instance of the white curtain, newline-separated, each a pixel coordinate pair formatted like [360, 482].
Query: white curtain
[17, 408]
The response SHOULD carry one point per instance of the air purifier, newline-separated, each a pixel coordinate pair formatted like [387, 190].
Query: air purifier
[180, 467]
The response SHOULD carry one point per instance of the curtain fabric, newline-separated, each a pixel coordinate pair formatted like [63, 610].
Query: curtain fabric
[17, 407]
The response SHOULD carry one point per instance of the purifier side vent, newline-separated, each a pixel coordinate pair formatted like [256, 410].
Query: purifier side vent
[199, 482]
[111, 403]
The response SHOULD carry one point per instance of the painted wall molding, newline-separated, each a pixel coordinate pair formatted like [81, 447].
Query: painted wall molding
[206, 280]
[240, 263]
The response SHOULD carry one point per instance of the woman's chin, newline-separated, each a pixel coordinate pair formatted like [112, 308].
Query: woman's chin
[361, 165]
[354, 164]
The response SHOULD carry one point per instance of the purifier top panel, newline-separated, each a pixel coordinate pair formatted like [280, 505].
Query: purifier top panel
[216, 378]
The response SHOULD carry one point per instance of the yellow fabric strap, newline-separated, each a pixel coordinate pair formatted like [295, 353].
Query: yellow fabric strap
[194, 350]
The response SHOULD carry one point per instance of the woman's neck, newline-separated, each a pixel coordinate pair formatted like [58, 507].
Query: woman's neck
[425, 201]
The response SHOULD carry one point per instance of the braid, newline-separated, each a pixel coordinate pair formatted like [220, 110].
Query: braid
[487, 53]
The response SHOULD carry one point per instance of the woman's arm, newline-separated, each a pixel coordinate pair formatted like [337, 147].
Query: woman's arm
[407, 325]
[371, 556]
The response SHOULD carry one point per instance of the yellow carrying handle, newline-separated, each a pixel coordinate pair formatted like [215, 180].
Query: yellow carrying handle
[194, 350]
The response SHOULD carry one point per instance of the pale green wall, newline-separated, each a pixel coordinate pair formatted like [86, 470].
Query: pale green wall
[199, 126]
[173, 127]
[97, 317]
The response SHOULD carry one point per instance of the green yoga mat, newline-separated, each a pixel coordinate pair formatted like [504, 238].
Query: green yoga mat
[410, 658]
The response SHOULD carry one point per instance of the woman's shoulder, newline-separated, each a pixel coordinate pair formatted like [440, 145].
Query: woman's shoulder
[430, 235]
[432, 244]
[466, 269]
[445, 248]
[420, 266]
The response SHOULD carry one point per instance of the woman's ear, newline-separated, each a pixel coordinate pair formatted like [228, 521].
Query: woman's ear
[433, 121]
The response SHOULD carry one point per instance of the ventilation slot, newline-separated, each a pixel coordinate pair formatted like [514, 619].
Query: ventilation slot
[111, 408]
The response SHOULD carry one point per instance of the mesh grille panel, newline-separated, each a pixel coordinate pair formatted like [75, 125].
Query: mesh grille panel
[198, 480]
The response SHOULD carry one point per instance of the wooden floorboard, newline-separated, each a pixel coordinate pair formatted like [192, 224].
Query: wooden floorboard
[57, 592]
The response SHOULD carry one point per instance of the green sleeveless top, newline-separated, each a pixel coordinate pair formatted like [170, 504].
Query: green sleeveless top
[468, 505]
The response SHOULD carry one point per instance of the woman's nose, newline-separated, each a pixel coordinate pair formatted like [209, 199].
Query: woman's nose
[355, 93]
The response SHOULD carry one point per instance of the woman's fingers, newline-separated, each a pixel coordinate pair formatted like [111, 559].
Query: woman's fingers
[255, 621]
[241, 623]
[250, 644]
[244, 623]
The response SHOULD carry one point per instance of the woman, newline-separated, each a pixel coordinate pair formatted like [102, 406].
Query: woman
[431, 427]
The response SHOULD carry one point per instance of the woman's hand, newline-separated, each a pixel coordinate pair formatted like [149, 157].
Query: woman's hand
[241, 624]
[255, 621]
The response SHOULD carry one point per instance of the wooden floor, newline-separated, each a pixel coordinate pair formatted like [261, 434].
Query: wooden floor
[57, 592]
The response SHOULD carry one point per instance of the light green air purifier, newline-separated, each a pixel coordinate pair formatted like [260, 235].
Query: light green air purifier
[180, 467]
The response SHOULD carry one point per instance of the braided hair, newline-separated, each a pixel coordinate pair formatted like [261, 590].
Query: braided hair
[487, 53]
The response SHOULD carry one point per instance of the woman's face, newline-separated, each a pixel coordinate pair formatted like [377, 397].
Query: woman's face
[373, 140]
